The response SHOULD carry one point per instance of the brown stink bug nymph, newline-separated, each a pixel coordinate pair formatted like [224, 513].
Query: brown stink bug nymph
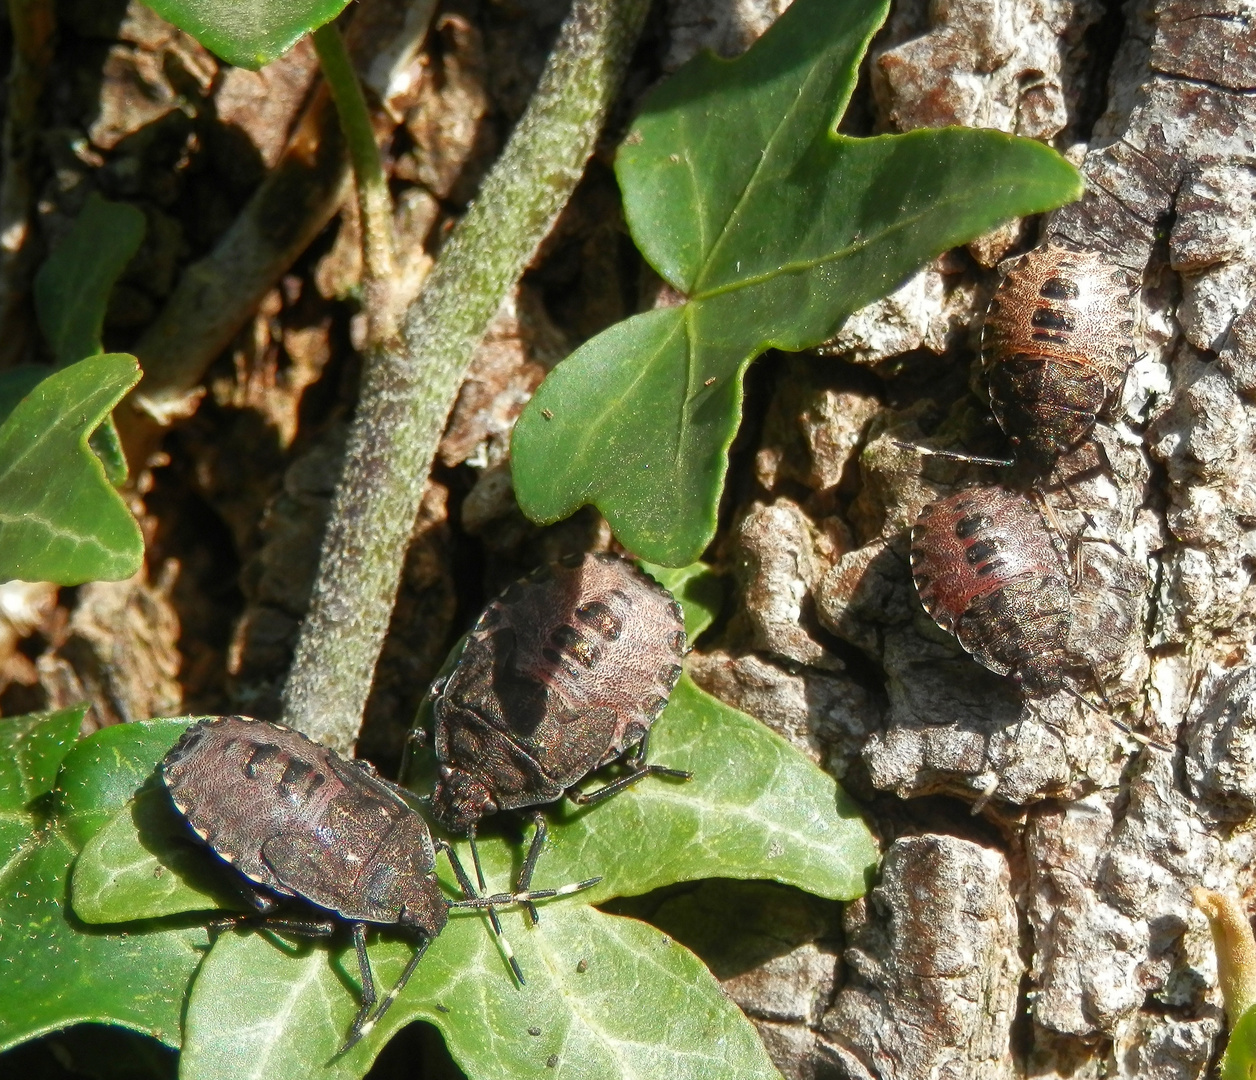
[988, 572]
[562, 674]
[301, 822]
[1056, 346]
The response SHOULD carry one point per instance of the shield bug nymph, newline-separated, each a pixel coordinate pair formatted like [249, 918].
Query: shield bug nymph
[1056, 346]
[562, 674]
[300, 822]
[987, 571]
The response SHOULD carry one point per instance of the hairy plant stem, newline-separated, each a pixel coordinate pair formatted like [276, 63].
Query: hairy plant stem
[407, 393]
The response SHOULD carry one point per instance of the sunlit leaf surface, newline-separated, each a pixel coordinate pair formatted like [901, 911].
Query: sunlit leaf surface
[60, 518]
[248, 33]
[774, 229]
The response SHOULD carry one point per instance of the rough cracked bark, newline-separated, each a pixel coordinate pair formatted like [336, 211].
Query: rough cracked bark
[1104, 837]
[933, 965]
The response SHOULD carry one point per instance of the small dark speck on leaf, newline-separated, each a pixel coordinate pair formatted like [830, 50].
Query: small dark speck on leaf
[442, 1008]
[551, 1062]
[583, 966]
[665, 939]
[158, 871]
[547, 414]
[534, 1031]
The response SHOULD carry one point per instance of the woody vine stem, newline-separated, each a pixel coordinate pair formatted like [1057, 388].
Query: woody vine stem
[410, 379]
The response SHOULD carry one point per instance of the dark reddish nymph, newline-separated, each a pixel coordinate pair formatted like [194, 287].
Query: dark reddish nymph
[987, 571]
[304, 824]
[562, 674]
[1056, 346]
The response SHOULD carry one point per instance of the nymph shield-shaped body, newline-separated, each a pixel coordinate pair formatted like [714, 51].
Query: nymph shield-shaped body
[302, 821]
[988, 572]
[562, 673]
[1056, 346]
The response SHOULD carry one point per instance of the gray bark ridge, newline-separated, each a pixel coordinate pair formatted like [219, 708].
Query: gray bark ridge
[1086, 924]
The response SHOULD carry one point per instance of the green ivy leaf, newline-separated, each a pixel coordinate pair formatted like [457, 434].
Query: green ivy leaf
[776, 229]
[73, 285]
[248, 35]
[72, 292]
[699, 590]
[102, 775]
[31, 751]
[1239, 1060]
[16, 383]
[755, 808]
[140, 863]
[644, 1006]
[56, 971]
[60, 520]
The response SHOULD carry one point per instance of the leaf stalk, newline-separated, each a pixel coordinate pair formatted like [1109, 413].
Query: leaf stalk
[374, 200]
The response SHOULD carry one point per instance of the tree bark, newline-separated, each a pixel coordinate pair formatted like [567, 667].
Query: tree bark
[1104, 837]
